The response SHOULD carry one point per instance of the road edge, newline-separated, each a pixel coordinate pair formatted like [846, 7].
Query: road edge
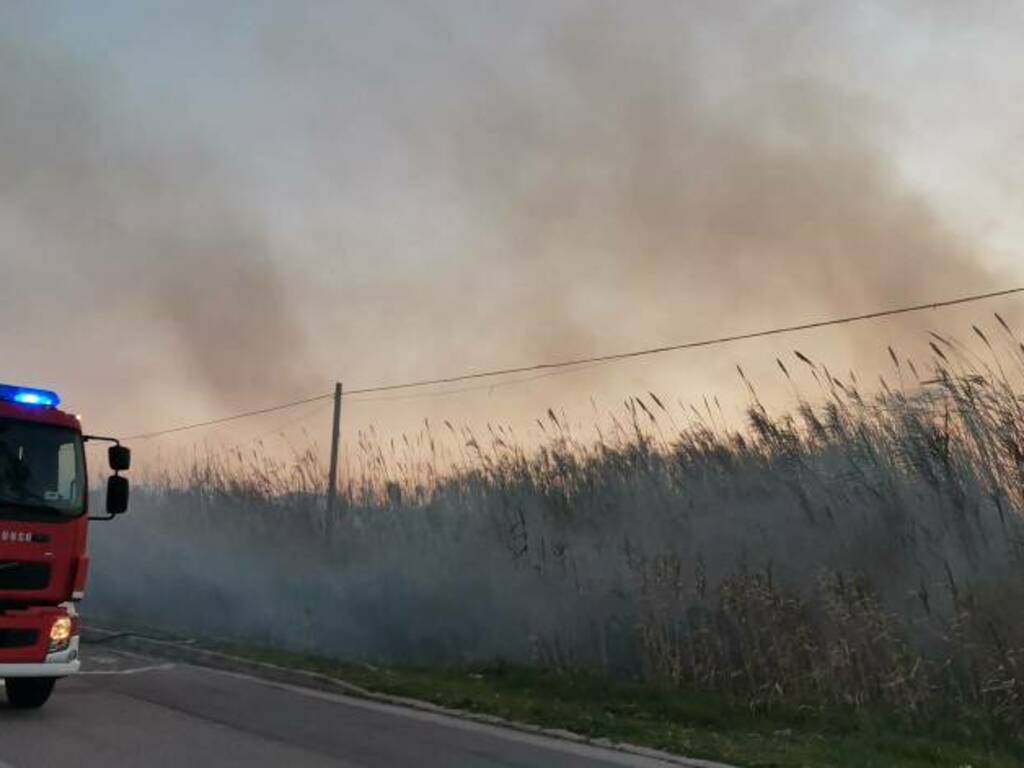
[187, 652]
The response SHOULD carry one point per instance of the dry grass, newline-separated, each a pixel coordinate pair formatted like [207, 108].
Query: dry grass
[863, 551]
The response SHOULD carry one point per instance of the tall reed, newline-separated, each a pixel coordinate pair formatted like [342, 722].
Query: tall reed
[861, 550]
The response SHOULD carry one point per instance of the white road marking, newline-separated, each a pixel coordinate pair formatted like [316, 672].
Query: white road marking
[133, 671]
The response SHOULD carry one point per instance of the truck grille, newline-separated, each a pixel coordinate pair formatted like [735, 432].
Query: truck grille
[18, 638]
[18, 575]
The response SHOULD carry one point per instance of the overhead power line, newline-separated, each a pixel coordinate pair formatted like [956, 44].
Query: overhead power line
[688, 344]
[595, 359]
[475, 388]
[225, 419]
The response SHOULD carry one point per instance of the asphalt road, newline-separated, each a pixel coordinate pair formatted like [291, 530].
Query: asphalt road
[127, 710]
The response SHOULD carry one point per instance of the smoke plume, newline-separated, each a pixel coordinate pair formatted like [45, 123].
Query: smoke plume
[125, 243]
[640, 192]
[443, 191]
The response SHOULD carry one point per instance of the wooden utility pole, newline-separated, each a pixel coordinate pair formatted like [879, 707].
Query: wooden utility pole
[332, 479]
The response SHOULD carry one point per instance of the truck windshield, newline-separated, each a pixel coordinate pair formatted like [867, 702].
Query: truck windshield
[41, 471]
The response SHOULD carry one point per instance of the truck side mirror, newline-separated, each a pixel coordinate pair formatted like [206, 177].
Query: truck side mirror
[117, 495]
[120, 458]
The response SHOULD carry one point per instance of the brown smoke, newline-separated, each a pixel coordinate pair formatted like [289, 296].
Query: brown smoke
[123, 248]
[636, 198]
[630, 175]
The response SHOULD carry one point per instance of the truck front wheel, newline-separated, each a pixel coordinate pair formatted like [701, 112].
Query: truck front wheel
[29, 692]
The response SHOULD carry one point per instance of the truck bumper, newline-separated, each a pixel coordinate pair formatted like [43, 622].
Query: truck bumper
[56, 665]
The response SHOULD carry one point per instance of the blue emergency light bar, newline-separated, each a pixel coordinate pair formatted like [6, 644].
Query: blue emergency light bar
[29, 396]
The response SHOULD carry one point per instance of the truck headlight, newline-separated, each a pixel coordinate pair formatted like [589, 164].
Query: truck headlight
[60, 634]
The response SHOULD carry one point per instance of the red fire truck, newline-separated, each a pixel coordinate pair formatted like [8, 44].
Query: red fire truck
[44, 514]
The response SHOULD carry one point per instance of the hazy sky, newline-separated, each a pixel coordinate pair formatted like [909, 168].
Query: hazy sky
[208, 207]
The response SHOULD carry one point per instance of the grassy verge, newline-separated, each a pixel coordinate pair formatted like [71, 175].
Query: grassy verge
[688, 724]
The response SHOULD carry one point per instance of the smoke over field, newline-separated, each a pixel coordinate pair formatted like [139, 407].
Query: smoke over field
[863, 549]
[141, 229]
[381, 192]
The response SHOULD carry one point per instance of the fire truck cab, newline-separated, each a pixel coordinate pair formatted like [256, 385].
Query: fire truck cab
[44, 514]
